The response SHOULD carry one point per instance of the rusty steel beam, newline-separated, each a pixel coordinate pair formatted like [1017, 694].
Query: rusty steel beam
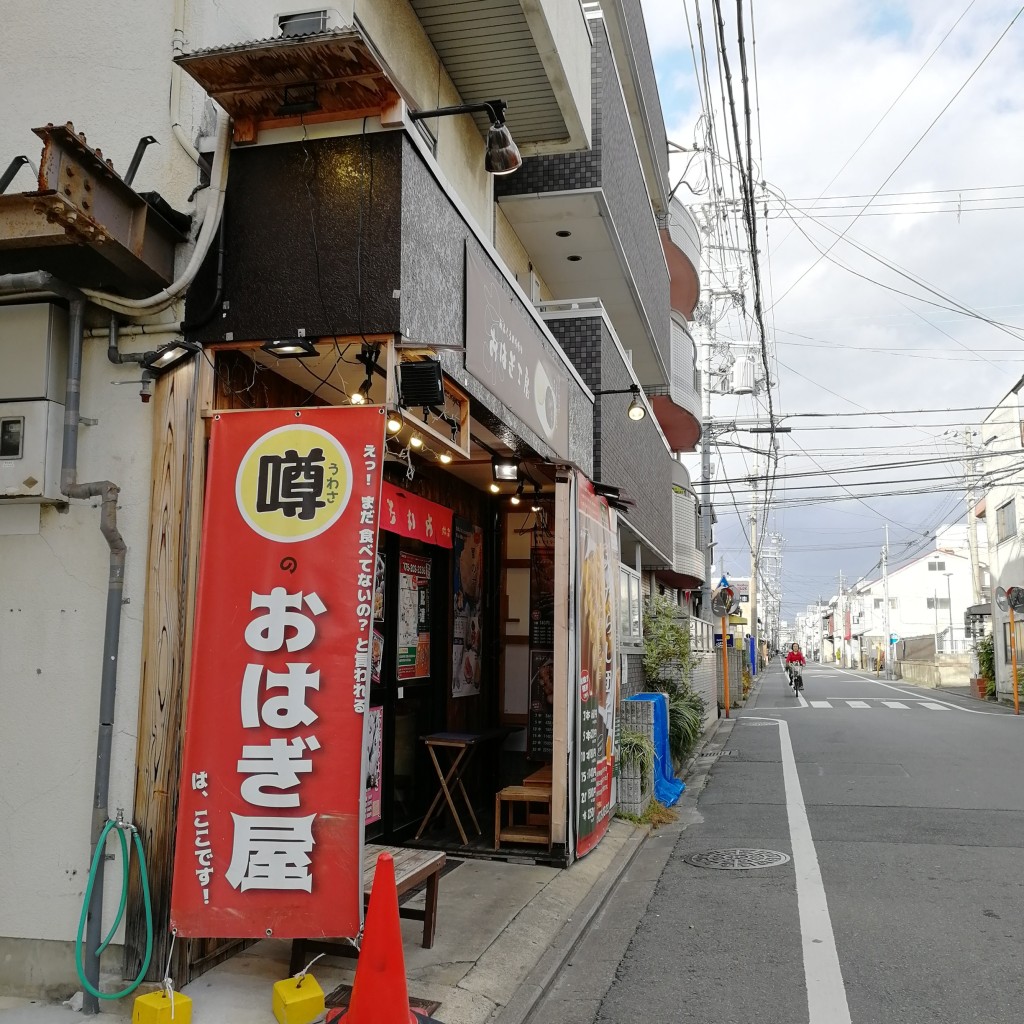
[82, 201]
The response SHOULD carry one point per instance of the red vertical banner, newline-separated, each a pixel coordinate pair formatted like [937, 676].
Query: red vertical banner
[270, 817]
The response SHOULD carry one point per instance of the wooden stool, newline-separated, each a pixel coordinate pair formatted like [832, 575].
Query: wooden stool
[529, 832]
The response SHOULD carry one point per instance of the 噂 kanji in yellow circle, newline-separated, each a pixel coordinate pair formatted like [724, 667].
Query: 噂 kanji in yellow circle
[293, 483]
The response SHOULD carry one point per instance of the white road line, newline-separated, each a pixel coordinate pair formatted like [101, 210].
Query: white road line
[800, 697]
[820, 704]
[907, 693]
[858, 704]
[826, 990]
[932, 706]
[895, 704]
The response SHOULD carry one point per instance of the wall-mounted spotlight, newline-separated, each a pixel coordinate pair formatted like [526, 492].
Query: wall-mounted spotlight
[504, 469]
[535, 507]
[503, 156]
[495, 489]
[394, 422]
[518, 496]
[168, 356]
[637, 410]
[362, 394]
[291, 348]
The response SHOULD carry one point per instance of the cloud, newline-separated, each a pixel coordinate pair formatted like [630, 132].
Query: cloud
[827, 71]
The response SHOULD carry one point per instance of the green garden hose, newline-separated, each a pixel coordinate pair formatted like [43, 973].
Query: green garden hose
[97, 861]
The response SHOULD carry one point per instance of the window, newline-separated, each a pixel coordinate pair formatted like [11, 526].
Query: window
[938, 602]
[878, 602]
[936, 566]
[630, 606]
[1006, 522]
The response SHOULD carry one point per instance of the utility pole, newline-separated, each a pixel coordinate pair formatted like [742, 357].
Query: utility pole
[753, 566]
[821, 635]
[972, 522]
[885, 606]
[841, 612]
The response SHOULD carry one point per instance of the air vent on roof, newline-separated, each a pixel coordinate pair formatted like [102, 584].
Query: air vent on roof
[304, 23]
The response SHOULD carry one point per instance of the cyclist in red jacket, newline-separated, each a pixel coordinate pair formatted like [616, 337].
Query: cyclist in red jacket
[794, 657]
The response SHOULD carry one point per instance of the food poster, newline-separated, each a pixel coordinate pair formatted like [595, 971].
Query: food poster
[598, 677]
[540, 721]
[379, 579]
[468, 552]
[376, 654]
[374, 757]
[413, 616]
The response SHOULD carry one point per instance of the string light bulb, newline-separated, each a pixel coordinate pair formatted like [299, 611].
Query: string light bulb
[416, 441]
[445, 457]
[495, 489]
[394, 423]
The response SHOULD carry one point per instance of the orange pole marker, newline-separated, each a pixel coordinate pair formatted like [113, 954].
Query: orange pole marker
[725, 668]
[1013, 659]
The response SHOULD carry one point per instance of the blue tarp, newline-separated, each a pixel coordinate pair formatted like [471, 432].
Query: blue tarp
[667, 788]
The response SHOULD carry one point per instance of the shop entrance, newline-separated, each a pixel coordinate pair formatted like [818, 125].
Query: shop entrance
[410, 669]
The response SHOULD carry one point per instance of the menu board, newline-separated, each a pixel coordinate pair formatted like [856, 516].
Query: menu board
[413, 616]
[540, 722]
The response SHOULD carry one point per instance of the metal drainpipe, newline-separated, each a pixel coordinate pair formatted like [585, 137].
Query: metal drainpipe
[107, 491]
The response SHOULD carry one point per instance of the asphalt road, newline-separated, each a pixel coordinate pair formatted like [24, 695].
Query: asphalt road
[903, 812]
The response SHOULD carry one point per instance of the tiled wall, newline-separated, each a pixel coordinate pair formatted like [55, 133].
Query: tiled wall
[613, 165]
[627, 454]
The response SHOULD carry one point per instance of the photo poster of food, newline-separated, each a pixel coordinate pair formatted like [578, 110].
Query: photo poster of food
[376, 654]
[413, 616]
[379, 578]
[468, 587]
[540, 721]
[374, 759]
[598, 678]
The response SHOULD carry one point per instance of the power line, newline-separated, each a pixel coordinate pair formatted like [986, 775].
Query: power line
[907, 155]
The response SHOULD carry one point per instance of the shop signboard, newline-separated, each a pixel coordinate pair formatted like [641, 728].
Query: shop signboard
[540, 721]
[413, 616]
[273, 782]
[414, 517]
[505, 351]
[468, 579]
[598, 680]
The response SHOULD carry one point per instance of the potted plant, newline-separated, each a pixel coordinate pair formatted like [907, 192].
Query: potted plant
[668, 662]
[984, 684]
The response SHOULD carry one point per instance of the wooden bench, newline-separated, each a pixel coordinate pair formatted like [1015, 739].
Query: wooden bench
[412, 869]
[536, 828]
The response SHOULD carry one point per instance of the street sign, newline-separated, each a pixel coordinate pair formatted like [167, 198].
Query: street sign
[1015, 598]
[1001, 603]
[722, 601]
[894, 638]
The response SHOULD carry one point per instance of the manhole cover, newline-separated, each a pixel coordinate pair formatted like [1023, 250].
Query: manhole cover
[737, 859]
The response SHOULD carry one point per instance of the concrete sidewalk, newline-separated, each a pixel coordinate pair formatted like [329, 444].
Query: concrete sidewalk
[501, 926]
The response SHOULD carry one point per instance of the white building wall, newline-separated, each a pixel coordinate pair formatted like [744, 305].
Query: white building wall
[1003, 449]
[108, 72]
[910, 589]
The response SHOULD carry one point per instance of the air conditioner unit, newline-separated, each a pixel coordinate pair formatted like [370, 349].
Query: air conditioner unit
[307, 22]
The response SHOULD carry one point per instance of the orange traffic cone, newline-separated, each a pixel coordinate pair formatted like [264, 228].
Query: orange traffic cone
[379, 993]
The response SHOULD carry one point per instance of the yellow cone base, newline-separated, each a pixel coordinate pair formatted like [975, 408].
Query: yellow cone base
[297, 1000]
[156, 1008]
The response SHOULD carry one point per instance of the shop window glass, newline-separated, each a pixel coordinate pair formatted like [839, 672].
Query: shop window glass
[630, 605]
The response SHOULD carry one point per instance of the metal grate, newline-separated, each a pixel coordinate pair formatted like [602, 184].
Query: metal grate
[737, 859]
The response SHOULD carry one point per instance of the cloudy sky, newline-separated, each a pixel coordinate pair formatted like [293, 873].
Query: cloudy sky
[949, 216]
